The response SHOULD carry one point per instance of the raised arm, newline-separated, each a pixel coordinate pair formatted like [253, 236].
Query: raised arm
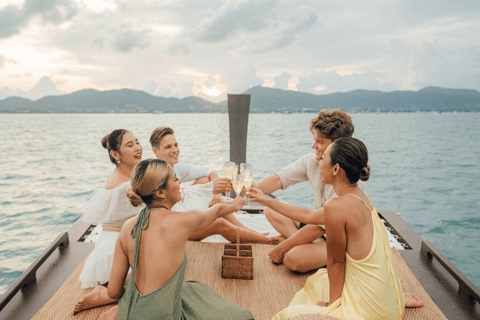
[269, 184]
[197, 220]
[213, 175]
[335, 224]
[304, 215]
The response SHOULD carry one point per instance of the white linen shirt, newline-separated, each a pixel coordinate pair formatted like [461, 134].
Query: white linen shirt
[306, 169]
[187, 172]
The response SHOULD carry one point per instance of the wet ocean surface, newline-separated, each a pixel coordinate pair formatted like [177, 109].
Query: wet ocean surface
[425, 166]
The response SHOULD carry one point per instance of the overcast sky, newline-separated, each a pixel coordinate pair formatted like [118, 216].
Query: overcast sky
[208, 48]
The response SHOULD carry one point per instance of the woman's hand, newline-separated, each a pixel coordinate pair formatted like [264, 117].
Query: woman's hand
[222, 185]
[257, 195]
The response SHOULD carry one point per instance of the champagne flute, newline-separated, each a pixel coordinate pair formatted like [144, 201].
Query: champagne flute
[246, 171]
[237, 181]
[229, 169]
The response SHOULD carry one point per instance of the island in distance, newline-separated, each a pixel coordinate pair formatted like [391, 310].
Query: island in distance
[263, 99]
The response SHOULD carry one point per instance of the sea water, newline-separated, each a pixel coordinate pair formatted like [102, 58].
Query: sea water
[425, 166]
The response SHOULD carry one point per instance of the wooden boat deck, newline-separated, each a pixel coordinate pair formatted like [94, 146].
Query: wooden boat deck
[438, 284]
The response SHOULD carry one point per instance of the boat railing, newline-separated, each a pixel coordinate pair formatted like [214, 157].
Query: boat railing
[29, 277]
[466, 288]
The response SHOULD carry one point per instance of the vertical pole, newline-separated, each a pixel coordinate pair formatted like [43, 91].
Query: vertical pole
[238, 110]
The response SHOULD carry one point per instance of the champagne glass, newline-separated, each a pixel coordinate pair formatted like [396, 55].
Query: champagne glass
[229, 169]
[246, 171]
[237, 181]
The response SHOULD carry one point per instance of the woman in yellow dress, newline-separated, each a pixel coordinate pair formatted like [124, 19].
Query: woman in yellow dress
[361, 282]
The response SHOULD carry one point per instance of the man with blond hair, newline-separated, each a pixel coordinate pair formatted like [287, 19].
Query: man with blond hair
[303, 247]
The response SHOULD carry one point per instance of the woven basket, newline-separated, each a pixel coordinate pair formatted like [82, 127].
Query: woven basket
[237, 260]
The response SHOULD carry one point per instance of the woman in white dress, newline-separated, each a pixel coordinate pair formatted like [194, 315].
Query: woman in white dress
[111, 208]
[165, 147]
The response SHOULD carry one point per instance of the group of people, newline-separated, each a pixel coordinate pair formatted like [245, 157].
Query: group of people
[147, 220]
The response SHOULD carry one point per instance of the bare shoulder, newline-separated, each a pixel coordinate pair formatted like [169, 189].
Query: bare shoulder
[186, 215]
[114, 180]
[127, 228]
[337, 208]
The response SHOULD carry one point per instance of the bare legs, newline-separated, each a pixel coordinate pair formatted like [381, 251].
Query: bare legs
[229, 231]
[98, 297]
[286, 226]
[306, 257]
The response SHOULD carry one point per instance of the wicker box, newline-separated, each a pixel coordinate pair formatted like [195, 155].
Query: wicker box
[237, 261]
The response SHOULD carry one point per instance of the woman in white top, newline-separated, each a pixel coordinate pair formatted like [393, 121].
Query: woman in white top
[165, 146]
[111, 208]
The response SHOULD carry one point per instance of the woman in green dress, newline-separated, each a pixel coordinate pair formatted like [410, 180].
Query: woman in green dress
[153, 245]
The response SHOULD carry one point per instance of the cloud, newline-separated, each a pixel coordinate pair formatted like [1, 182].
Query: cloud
[151, 87]
[232, 17]
[14, 18]
[267, 25]
[127, 40]
[433, 63]
[44, 87]
[281, 81]
[2, 61]
[321, 82]
[240, 82]
[98, 43]
[210, 82]
[178, 50]
[282, 33]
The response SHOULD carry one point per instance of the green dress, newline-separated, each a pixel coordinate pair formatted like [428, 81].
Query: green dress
[176, 299]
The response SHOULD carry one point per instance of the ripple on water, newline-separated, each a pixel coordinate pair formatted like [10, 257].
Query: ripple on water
[436, 230]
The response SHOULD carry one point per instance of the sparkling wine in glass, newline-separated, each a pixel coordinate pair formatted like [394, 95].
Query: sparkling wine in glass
[237, 181]
[229, 169]
[246, 171]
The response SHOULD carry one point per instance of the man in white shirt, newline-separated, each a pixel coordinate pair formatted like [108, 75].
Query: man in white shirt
[304, 247]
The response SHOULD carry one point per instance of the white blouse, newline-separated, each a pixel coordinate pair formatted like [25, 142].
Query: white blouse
[111, 207]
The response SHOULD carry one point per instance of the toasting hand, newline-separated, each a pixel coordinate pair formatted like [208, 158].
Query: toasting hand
[222, 185]
[257, 195]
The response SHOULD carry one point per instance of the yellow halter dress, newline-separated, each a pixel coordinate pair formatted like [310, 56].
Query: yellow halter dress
[372, 289]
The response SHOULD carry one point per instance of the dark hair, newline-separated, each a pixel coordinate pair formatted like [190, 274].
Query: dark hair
[147, 177]
[352, 156]
[158, 134]
[113, 141]
[332, 124]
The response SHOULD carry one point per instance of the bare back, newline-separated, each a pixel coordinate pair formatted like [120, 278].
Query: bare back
[162, 248]
[359, 226]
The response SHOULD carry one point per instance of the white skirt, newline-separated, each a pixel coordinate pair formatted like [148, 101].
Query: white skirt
[98, 266]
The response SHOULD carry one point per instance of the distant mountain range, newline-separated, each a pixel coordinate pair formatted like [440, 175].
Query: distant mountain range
[263, 100]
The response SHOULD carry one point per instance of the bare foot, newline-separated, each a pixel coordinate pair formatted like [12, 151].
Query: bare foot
[110, 314]
[277, 239]
[98, 297]
[412, 302]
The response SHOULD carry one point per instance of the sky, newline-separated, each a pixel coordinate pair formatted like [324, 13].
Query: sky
[181, 48]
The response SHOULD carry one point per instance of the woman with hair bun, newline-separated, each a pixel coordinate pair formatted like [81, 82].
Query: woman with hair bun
[111, 208]
[361, 280]
[153, 245]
